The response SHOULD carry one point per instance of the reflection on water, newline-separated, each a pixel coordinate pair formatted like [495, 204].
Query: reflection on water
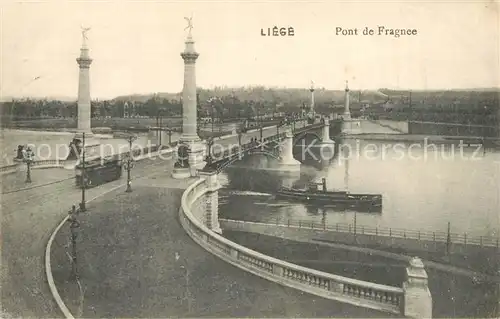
[422, 188]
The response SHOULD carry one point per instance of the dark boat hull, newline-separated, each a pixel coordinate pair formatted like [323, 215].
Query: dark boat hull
[342, 200]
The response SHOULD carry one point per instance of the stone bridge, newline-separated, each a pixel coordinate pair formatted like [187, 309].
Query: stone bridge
[278, 144]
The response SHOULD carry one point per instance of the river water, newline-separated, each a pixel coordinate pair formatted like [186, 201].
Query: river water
[424, 187]
[55, 145]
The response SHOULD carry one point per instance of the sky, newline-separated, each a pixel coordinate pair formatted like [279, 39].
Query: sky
[135, 46]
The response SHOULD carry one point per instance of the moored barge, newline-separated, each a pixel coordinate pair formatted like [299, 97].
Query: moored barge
[342, 199]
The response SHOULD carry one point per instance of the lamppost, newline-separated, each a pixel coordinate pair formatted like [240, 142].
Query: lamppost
[84, 176]
[28, 159]
[240, 134]
[169, 136]
[209, 157]
[160, 132]
[74, 226]
[130, 163]
[213, 119]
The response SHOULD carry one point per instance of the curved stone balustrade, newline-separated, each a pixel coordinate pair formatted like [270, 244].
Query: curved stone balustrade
[8, 168]
[357, 292]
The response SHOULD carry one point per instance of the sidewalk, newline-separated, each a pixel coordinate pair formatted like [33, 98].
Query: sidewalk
[127, 251]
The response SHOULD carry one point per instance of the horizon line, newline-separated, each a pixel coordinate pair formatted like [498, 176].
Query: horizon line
[7, 98]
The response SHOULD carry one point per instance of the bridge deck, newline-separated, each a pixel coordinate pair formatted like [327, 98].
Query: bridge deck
[129, 268]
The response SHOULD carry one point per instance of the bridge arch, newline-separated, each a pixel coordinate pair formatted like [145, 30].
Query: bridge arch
[303, 135]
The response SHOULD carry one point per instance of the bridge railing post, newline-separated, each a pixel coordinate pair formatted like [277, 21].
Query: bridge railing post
[417, 296]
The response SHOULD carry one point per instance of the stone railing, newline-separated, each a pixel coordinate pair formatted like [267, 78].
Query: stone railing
[8, 168]
[361, 293]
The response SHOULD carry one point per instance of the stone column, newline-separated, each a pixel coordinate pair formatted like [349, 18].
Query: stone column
[312, 97]
[287, 161]
[189, 116]
[84, 62]
[189, 139]
[347, 111]
[417, 297]
[84, 110]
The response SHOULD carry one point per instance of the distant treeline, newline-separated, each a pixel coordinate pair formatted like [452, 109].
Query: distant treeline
[468, 107]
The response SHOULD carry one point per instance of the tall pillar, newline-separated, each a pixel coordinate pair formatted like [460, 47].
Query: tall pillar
[287, 161]
[189, 120]
[311, 108]
[349, 126]
[347, 111]
[191, 146]
[84, 110]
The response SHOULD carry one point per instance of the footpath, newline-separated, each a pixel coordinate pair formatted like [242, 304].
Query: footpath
[135, 260]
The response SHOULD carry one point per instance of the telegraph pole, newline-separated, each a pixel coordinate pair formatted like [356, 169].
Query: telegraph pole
[29, 160]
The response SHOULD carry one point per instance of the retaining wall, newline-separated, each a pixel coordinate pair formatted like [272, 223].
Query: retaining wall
[314, 231]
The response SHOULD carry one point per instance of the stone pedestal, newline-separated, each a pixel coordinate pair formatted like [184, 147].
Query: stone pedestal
[212, 201]
[417, 297]
[190, 161]
[287, 161]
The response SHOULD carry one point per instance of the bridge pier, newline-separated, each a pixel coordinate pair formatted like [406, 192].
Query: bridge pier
[325, 138]
[287, 161]
[212, 201]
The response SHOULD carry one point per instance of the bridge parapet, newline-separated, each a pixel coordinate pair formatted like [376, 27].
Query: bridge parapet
[357, 292]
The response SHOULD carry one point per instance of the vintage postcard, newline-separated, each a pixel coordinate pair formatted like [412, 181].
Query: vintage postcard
[235, 159]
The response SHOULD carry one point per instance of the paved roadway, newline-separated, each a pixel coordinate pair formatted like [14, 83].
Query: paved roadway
[29, 217]
[135, 260]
